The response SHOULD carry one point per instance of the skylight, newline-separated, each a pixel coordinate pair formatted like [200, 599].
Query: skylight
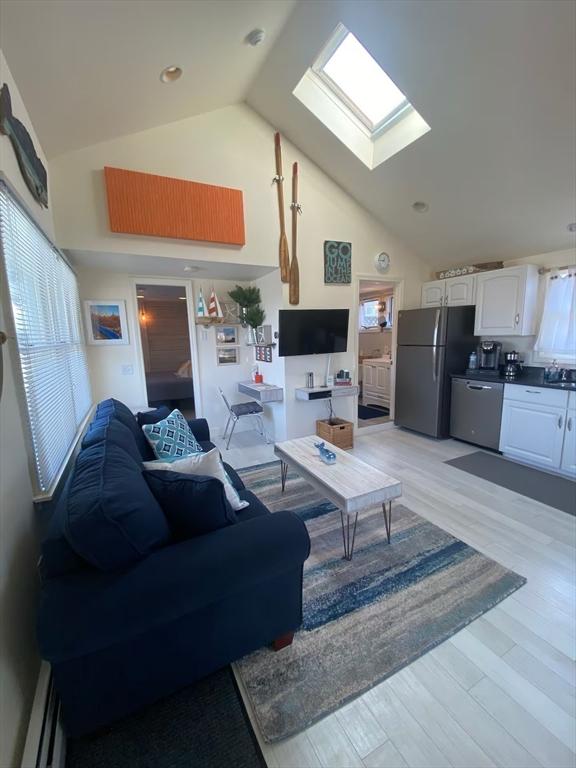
[349, 92]
[362, 81]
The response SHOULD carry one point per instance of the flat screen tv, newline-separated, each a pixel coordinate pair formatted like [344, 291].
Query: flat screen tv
[312, 331]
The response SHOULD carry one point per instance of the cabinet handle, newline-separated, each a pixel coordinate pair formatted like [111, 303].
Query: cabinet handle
[560, 422]
[533, 392]
[569, 424]
[516, 319]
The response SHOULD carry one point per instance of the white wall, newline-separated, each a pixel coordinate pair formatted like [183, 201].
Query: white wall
[274, 413]
[213, 375]
[9, 164]
[19, 660]
[108, 364]
[235, 147]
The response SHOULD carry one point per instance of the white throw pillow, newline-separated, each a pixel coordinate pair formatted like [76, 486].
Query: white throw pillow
[208, 464]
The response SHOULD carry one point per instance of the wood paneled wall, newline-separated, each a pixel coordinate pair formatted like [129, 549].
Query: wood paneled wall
[165, 338]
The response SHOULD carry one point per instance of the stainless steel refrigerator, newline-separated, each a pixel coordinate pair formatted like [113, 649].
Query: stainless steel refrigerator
[432, 344]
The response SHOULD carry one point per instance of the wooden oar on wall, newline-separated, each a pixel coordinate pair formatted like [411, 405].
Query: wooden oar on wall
[283, 254]
[294, 288]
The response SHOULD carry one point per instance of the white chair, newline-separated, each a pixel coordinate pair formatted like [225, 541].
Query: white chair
[237, 411]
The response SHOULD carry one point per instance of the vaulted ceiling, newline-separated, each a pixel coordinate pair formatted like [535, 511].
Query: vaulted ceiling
[496, 81]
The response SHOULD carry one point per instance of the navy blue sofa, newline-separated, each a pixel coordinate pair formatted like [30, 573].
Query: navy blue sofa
[127, 612]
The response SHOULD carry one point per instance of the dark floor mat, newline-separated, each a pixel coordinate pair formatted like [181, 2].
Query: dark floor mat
[558, 492]
[202, 726]
[372, 412]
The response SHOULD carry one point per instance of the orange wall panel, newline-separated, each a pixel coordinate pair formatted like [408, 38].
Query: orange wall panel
[146, 204]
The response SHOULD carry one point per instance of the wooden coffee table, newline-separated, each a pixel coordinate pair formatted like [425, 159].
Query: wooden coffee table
[350, 483]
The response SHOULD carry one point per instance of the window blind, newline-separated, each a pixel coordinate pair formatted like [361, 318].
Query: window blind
[47, 321]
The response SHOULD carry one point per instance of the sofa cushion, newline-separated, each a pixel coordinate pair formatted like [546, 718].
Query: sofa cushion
[151, 417]
[113, 519]
[193, 504]
[172, 438]
[57, 556]
[112, 407]
[205, 464]
[112, 429]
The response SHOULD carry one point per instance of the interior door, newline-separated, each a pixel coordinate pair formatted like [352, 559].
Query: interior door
[419, 375]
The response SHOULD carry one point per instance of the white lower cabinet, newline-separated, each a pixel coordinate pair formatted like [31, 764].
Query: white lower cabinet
[376, 383]
[538, 428]
[568, 465]
[532, 433]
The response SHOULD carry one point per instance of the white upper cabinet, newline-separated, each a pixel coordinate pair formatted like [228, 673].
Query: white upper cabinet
[433, 293]
[453, 292]
[506, 302]
[460, 290]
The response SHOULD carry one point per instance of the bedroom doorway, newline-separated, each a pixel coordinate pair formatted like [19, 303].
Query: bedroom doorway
[164, 325]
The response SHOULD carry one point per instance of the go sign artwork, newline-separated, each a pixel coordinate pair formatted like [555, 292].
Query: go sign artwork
[337, 262]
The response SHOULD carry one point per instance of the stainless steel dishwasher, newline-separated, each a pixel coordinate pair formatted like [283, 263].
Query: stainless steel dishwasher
[476, 411]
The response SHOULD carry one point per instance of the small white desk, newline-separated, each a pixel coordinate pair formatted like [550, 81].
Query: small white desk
[263, 393]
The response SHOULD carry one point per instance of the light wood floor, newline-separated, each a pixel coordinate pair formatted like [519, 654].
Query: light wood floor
[502, 691]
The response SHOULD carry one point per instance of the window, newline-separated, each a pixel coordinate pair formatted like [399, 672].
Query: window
[369, 313]
[47, 322]
[557, 335]
[360, 81]
[349, 92]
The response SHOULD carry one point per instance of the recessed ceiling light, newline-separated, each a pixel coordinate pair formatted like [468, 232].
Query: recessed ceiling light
[182, 298]
[255, 37]
[420, 207]
[170, 74]
[572, 227]
[140, 296]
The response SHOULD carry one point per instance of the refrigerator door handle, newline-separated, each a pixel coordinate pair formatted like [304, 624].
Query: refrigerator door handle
[434, 364]
[435, 336]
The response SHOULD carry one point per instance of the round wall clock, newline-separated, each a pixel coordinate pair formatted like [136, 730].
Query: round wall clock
[382, 262]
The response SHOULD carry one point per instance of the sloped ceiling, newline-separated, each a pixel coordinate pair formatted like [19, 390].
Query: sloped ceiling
[89, 70]
[496, 81]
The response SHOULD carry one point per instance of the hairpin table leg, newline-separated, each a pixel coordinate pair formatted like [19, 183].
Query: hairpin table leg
[347, 536]
[387, 510]
[283, 474]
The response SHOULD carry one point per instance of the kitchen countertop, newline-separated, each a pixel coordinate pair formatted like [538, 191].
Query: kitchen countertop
[533, 377]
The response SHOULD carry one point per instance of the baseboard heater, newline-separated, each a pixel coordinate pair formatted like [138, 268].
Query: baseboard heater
[45, 745]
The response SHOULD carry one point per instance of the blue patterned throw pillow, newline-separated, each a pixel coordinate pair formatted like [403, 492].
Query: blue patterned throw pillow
[171, 438]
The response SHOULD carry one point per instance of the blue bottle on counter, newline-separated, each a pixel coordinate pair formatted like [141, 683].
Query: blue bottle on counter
[473, 362]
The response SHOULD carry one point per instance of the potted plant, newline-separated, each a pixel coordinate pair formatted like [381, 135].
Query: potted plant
[251, 313]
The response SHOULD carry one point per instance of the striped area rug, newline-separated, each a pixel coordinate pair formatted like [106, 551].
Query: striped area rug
[366, 619]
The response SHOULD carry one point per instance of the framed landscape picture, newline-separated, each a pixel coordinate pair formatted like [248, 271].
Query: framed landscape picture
[227, 335]
[106, 321]
[228, 355]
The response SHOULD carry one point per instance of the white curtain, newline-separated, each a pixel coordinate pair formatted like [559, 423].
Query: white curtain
[557, 335]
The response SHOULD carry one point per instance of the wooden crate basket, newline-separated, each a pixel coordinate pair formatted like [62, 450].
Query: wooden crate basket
[340, 433]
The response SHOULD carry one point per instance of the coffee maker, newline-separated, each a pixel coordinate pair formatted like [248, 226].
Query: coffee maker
[489, 357]
[512, 365]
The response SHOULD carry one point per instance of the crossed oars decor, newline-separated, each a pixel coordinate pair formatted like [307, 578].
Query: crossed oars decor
[283, 245]
[294, 287]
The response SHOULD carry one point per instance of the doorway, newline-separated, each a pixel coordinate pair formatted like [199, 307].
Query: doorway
[166, 349]
[375, 350]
